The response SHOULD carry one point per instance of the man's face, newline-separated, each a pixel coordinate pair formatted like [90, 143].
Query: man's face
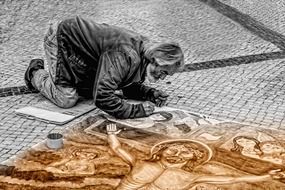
[177, 154]
[158, 70]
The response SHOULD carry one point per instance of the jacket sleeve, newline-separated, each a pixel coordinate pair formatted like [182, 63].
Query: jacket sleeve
[114, 70]
[138, 91]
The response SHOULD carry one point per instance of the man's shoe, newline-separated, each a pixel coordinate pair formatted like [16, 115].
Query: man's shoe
[35, 65]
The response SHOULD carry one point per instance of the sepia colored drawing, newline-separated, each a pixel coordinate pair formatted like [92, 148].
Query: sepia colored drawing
[167, 162]
[175, 150]
[263, 144]
[175, 123]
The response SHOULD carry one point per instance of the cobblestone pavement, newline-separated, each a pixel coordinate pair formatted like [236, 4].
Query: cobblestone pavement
[249, 23]
[269, 12]
[234, 56]
[25, 22]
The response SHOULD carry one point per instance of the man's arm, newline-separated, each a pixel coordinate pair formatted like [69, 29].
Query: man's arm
[115, 145]
[114, 69]
[138, 91]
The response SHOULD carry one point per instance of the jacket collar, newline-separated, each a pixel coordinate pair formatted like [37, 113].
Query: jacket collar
[144, 63]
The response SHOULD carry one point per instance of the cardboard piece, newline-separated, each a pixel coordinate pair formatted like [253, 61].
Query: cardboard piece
[48, 112]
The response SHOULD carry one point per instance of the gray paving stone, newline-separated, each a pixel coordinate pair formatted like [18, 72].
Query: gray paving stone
[270, 13]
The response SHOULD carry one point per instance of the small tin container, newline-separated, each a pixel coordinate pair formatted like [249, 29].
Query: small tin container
[54, 140]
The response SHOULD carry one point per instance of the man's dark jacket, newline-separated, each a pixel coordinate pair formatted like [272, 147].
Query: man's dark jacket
[98, 59]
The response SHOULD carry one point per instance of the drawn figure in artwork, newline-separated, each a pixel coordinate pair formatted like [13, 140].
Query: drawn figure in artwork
[76, 161]
[163, 122]
[146, 122]
[272, 151]
[171, 164]
[161, 116]
[160, 120]
[247, 146]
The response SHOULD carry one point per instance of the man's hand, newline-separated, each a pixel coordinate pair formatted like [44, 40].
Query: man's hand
[112, 129]
[148, 108]
[159, 98]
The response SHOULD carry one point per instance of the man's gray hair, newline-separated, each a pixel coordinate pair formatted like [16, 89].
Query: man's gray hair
[167, 53]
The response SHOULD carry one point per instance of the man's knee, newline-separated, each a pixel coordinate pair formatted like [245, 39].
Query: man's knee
[66, 97]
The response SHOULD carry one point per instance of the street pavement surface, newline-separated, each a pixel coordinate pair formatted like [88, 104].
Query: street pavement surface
[234, 51]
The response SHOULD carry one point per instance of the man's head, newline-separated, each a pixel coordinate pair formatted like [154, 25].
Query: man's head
[165, 59]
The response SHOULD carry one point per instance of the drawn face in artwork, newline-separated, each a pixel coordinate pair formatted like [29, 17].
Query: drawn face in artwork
[246, 143]
[157, 117]
[177, 154]
[270, 148]
[161, 116]
[272, 152]
[80, 161]
[85, 154]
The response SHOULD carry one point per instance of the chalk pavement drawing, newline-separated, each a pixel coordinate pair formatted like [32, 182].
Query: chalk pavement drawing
[172, 149]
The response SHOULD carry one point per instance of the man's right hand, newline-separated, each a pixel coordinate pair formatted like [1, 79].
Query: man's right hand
[157, 97]
[148, 107]
[160, 98]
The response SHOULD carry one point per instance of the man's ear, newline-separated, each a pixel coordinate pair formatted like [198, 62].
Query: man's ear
[178, 64]
[180, 68]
